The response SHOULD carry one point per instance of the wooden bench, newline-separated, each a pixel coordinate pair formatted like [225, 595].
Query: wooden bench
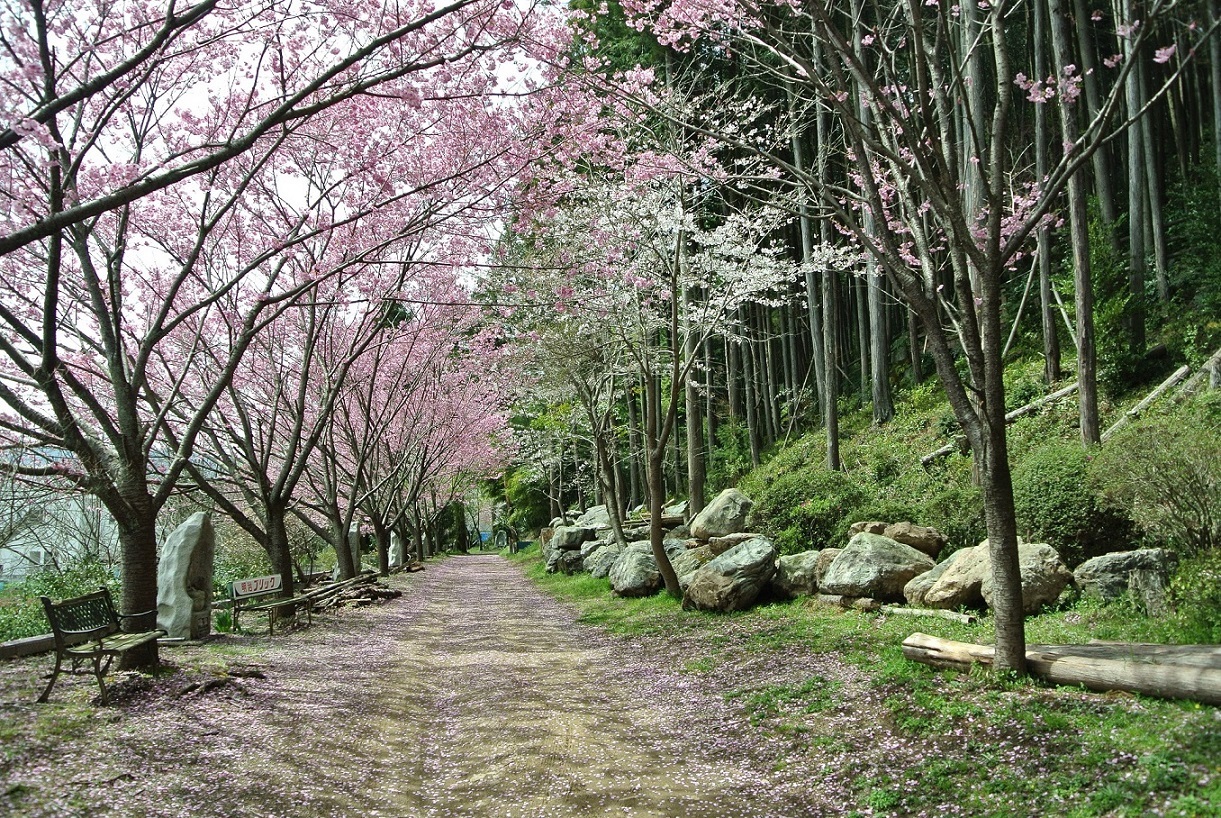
[87, 629]
[263, 594]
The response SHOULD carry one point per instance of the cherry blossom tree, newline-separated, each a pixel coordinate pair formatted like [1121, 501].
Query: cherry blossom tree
[150, 160]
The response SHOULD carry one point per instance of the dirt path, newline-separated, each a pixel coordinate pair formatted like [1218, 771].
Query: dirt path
[473, 695]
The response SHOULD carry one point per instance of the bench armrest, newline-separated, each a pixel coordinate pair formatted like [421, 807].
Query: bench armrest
[135, 615]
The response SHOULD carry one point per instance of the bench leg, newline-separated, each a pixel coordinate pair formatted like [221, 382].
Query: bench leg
[99, 670]
[54, 675]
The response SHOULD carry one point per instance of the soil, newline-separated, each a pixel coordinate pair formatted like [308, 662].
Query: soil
[472, 695]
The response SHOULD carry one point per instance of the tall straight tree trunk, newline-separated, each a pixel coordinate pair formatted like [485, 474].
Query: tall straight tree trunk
[1214, 54]
[748, 395]
[862, 332]
[1154, 188]
[1137, 195]
[733, 358]
[1087, 374]
[710, 419]
[807, 257]
[829, 388]
[879, 343]
[1042, 142]
[693, 418]
[1101, 158]
[634, 441]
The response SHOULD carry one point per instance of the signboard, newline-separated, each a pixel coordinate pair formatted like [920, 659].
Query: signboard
[258, 585]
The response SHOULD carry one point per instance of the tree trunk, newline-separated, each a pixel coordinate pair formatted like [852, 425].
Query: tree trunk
[693, 422]
[1042, 142]
[1157, 222]
[1087, 376]
[138, 541]
[1214, 54]
[278, 551]
[1101, 158]
[1137, 196]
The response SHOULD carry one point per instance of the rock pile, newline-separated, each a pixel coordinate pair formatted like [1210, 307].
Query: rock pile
[722, 567]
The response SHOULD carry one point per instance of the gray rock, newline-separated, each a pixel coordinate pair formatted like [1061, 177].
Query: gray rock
[687, 563]
[1148, 585]
[874, 566]
[720, 545]
[569, 538]
[867, 527]
[796, 575]
[860, 603]
[599, 562]
[732, 581]
[594, 517]
[922, 538]
[680, 532]
[569, 562]
[184, 579]
[551, 559]
[726, 514]
[1107, 576]
[916, 589]
[590, 546]
[635, 573]
[397, 550]
[823, 564]
[678, 509]
[960, 584]
[1044, 577]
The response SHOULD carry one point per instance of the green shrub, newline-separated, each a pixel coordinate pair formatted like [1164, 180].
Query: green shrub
[1167, 470]
[1196, 591]
[1056, 504]
[21, 613]
[957, 511]
[730, 460]
[806, 508]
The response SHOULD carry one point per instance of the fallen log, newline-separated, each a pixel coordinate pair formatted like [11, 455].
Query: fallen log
[1133, 413]
[953, 616]
[1101, 668]
[1021, 411]
[1211, 370]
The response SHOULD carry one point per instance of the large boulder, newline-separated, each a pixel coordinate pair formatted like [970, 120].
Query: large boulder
[922, 538]
[635, 573]
[1109, 575]
[569, 537]
[600, 561]
[874, 566]
[688, 562]
[184, 579]
[796, 575]
[569, 562]
[823, 563]
[732, 581]
[919, 586]
[594, 517]
[1044, 577]
[590, 546]
[961, 582]
[720, 545]
[726, 514]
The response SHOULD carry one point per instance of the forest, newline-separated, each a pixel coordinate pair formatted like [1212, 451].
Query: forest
[320, 266]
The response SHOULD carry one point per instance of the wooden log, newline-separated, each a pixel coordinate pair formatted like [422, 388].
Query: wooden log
[1103, 668]
[1134, 412]
[1209, 370]
[953, 616]
[1021, 411]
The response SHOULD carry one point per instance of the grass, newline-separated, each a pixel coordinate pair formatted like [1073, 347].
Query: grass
[968, 744]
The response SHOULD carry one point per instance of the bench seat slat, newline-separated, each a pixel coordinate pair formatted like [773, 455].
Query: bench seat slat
[118, 643]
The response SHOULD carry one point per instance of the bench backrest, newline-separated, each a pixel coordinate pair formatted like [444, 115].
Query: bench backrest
[81, 618]
[255, 587]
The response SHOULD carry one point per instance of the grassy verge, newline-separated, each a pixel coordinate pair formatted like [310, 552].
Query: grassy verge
[941, 743]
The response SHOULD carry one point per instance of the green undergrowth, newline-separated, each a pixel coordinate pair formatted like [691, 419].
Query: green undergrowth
[985, 743]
